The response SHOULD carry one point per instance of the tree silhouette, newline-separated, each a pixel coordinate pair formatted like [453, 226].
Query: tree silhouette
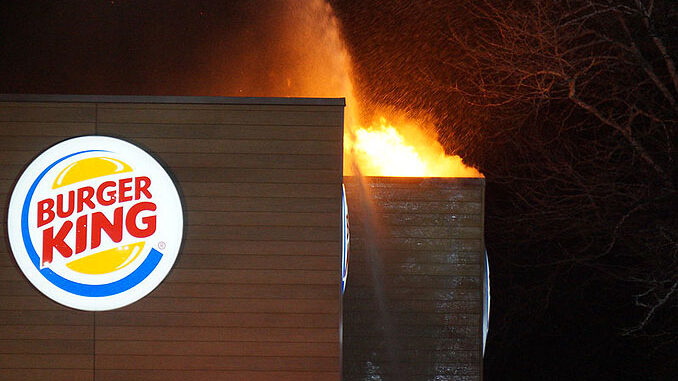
[582, 96]
[569, 109]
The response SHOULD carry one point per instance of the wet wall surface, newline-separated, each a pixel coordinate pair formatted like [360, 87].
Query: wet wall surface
[412, 309]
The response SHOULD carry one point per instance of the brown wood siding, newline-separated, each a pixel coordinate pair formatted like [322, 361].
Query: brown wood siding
[254, 294]
[413, 300]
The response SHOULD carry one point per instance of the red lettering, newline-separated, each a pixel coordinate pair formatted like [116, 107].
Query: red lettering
[142, 188]
[113, 230]
[45, 208]
[60, 205]
[85, 197]
[149, 221]
[111, 194]
[140, 221]
[124, 188]
[50, 242]
[81, 234]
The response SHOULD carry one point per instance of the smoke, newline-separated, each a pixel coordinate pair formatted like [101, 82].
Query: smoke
[290, 49]
[287, 49]
[295, 49]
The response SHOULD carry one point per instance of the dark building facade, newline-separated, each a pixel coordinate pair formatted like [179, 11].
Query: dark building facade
[255, 292]
[413, 303]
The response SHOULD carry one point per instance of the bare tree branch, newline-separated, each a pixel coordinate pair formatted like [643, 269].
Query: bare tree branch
[584, 94]
[625, 131]
[653, 307]
[647, 20]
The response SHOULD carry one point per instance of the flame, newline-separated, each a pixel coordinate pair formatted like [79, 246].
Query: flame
[307, 57]
[384, 150]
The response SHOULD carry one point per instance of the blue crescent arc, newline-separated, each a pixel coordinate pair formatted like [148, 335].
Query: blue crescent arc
[82, 289]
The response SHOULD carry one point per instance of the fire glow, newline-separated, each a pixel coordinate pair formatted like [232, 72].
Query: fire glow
[385, 150]
[394, 144]
[396, 157]
[385, 143]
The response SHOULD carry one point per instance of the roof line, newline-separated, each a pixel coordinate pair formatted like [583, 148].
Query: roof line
[165, 99]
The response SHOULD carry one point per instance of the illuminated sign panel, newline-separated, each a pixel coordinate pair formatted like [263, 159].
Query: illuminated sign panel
[95, 223]
[345, 240]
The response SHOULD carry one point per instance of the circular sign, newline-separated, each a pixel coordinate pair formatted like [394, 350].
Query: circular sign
[95, 223]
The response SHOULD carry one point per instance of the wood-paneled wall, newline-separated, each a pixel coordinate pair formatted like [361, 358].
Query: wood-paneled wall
[254, 294]
[413, 302]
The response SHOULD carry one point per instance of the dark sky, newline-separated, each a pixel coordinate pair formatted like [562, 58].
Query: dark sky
[136, 47]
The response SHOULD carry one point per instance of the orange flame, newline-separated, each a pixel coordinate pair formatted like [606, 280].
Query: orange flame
[384, 150]
[310, 59]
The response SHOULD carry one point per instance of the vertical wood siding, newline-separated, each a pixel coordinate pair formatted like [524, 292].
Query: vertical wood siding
[254, 294]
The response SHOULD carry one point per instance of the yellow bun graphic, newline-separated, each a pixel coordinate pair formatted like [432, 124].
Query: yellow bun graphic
[89, 168]
[107, 261]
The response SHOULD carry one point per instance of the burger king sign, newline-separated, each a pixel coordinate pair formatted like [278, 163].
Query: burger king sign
[95, 223]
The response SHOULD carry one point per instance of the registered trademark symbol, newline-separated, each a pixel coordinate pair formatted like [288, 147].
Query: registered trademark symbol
[161, 245]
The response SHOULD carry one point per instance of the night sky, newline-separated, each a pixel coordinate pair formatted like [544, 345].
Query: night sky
[548, 321]
[124, 47]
